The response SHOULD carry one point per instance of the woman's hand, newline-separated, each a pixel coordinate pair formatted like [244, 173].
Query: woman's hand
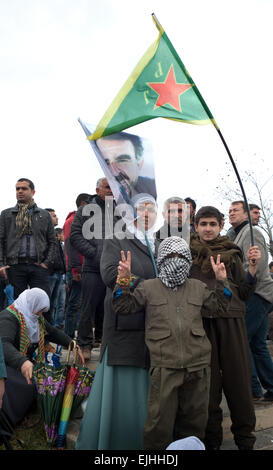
[218, 268]
[26, 369]
[124, 267]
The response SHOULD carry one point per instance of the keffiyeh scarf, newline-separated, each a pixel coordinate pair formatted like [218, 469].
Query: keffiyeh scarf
[173, 271]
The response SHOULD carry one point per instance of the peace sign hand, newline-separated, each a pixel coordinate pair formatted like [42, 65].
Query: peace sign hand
[218, 268]
[124, 267]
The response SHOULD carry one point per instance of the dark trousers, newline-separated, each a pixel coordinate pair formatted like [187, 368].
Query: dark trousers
[19, 395]
[92, 308]
[178, 400]
[24, 276]
[231, 373]
[72, 314]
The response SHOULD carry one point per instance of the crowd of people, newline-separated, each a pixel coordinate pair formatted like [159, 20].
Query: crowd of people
[181, 315]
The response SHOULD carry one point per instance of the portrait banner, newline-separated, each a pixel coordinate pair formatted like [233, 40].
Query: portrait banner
[127, 163]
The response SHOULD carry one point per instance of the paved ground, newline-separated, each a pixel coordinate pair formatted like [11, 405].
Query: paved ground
[263, 410]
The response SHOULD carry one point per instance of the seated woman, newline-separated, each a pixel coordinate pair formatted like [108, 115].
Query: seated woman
[23, 330]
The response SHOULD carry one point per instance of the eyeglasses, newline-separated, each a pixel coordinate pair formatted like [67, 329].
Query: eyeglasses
[150, 210]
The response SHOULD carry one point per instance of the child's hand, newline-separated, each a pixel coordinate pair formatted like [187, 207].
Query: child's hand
[124, 267]
[218, 268]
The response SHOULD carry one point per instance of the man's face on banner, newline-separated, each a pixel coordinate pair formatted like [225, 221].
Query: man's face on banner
[121, 158]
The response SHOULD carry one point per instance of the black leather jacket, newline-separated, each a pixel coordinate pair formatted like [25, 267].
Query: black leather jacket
[43, 233]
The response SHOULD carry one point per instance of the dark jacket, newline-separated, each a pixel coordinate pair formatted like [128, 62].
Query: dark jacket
[126, 347]
[174, 331]
[166, 231]
[59, 260]
[81, 232]
[70, 252]
[43, 233]
[10, 334]
[3, 370]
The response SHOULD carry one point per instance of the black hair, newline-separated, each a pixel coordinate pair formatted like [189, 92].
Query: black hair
[50, 210]
[135, 139]
[254, 206]
[208, 211]
[83, 197]
[31, 184]
[191, 201]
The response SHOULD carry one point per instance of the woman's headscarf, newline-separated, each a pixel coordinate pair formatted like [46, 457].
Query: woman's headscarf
[137, 200]
[30, 302]
[188, 443]
[173, 271]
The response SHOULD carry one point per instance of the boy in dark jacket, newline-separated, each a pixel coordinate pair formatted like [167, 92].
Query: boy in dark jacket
[179, 348]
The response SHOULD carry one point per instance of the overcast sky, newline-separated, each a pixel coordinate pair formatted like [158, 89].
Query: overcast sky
[64, 59]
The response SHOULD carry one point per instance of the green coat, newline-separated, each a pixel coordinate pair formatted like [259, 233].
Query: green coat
[174, 332]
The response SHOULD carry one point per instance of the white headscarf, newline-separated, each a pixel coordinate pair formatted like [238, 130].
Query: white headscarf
[188, 443]
[30, 302]
[140, 235]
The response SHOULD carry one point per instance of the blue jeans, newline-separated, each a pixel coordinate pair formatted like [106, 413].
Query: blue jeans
[55, 281]
[59, 311]
[257, 322]
[72, 314]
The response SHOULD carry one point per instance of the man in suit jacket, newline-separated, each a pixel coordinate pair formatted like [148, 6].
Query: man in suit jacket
[258, 307]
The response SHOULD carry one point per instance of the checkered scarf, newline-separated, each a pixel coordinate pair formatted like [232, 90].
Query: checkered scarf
[173, 271]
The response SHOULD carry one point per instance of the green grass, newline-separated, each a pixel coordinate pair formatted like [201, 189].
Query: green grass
[33, 438]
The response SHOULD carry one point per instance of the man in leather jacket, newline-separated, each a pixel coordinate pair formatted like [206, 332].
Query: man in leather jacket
[27, 241]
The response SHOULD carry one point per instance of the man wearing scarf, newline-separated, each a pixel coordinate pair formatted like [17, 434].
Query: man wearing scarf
[178, 346]
[230, 361]
[27, 241]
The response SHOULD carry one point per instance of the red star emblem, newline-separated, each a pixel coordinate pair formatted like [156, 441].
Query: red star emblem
[169, 91]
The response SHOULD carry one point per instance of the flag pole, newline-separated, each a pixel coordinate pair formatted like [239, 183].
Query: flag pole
[197, 92]
[240, 183]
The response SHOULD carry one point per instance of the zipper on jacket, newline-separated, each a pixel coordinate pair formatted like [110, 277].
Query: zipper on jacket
[180, 334]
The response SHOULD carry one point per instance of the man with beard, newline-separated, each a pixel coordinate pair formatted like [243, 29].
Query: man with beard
[230, 361]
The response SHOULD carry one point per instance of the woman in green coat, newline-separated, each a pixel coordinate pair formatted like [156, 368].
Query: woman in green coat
[117, 405]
